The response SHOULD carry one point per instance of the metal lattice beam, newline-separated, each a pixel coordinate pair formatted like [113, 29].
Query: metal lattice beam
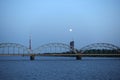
[51, 46]
[100, 46]
[14, 48]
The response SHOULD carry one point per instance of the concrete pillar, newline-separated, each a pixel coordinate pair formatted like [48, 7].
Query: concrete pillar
[78, 57]
[32, 57]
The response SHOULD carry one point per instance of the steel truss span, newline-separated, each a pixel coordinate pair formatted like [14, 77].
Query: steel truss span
[52, 48]
[100, 46]
[13, 48]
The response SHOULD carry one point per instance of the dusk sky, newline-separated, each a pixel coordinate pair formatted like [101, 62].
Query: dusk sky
[92, 21]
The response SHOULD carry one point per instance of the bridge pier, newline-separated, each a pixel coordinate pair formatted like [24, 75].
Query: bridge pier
[32, 57]
[78, 57]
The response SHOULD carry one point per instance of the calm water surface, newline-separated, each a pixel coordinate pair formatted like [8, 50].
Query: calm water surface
[60, 69]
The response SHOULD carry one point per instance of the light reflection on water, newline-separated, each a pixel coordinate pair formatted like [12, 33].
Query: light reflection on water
[59, 68]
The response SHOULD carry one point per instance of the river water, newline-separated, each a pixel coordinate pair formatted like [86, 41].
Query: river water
[59, 68]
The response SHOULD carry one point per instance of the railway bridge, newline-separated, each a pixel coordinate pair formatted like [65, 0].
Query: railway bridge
[60, 49]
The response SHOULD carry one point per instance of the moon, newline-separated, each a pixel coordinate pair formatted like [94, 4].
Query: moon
[70, 30]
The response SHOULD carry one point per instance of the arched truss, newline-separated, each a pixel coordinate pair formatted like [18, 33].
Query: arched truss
[100, 46]
[52, 48]
[13, 48]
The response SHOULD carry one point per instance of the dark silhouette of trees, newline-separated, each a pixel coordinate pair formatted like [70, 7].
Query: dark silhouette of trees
[101, 51]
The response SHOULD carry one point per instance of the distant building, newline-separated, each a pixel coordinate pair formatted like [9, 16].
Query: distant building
[72, 46]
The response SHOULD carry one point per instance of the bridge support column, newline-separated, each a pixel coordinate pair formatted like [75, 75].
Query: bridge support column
[32, 57]
[78, 57]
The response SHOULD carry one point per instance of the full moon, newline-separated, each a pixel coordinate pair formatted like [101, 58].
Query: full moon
[70, 30]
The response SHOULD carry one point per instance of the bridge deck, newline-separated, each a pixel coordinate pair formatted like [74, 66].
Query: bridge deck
[65, 55]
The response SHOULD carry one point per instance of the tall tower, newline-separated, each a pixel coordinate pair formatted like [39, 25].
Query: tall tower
[72, 46]
[32, 57]
[30, 42]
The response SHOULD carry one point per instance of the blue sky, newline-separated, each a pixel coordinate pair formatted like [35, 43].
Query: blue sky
[92, 21]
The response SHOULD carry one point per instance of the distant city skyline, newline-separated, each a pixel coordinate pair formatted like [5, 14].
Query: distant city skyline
[84, 21]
